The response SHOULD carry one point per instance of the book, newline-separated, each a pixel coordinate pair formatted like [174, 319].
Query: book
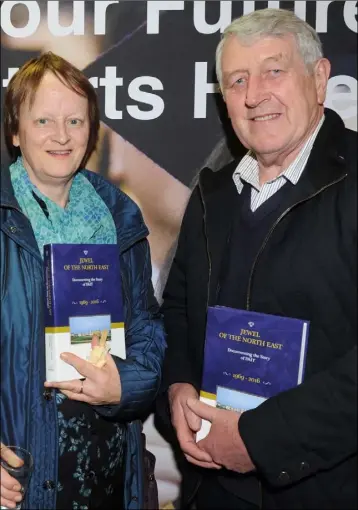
[83, 298]
[250, 357]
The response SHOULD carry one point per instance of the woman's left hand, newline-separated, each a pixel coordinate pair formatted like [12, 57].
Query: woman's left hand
[101, 386]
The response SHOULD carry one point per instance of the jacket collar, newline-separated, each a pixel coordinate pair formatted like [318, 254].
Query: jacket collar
[7, 196]
[126, 214]
[325, 166]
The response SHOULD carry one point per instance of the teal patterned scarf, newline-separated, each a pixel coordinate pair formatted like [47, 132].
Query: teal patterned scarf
[85, 219]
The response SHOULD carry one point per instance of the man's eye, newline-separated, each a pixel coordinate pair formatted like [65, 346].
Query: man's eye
[75, 122]
[240, 81]
[42, 121]
[275, 71]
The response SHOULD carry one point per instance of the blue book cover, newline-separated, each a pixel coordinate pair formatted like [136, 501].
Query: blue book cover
[249, 357]
[83, 297]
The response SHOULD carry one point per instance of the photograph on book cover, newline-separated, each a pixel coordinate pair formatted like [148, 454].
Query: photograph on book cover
[83, 328]
[233, 400]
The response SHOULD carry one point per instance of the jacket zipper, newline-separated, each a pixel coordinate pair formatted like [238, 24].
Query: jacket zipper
[192, 496]
[207, 244]
[253, 267]
[248, 295]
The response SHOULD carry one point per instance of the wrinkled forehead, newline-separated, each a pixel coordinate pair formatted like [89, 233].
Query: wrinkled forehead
[260, 47]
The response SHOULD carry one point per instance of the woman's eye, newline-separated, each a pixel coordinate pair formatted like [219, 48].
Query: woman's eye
[275, 71]
[75, 122]
[42, 121]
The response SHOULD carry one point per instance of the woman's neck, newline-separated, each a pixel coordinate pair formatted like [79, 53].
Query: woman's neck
[56, 189]
[57, 193]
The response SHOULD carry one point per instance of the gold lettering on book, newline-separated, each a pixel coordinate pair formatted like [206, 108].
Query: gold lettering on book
[251, 337]
[249, 332]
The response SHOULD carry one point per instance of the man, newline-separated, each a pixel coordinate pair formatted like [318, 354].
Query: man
[274, 232]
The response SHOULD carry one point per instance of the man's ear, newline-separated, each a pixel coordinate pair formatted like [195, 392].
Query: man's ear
[322, 70]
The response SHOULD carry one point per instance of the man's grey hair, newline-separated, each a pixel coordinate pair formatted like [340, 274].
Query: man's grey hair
[272, 23]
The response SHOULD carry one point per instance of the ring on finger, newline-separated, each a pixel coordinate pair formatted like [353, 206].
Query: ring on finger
[81, 388]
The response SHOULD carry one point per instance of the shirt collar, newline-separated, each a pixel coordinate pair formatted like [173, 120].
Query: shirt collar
[248, 168]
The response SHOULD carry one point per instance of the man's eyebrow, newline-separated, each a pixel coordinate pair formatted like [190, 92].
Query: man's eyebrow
[276, 58]
[235, 71]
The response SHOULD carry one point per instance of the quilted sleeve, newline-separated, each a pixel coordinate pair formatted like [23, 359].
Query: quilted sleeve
[141, 371]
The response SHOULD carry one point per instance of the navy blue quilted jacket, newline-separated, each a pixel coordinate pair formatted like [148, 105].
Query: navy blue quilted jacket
[28, 414]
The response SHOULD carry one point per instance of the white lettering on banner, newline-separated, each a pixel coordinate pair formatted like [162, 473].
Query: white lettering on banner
[110, 83]
[100, 16]
[202, 89]
[249, 6]
[342, 95]
[350, 11]
[322, 16]
[94, 81]
[10, 74]
[78, 22]
[300, 10]
[53, 17]
[141, 96]
[200, 21]
[153, 11]
[273, 4]
[34, 15]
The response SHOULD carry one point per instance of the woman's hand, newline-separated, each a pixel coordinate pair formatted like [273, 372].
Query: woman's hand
[10, 488]
[101, 386]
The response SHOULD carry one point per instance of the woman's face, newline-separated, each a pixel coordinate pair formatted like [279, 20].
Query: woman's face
[53, 132]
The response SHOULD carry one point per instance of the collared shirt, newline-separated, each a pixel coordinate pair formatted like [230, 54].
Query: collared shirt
[248, 171]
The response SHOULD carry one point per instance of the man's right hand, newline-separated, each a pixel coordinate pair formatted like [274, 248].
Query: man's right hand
[10, 488]
[187, 424]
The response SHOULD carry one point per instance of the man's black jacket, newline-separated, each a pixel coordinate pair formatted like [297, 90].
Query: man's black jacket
[303, 441]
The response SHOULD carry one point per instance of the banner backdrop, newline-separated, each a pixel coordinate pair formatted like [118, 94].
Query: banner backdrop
[152, 63]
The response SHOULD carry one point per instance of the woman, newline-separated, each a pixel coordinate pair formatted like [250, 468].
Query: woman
[86, 447]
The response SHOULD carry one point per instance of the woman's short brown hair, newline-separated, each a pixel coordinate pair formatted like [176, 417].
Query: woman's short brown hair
[24, 84]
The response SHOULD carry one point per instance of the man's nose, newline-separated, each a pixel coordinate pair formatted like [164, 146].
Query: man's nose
[256, 92]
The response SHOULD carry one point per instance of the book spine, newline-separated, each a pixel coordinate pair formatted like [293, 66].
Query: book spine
[50, 341]
[49, 287]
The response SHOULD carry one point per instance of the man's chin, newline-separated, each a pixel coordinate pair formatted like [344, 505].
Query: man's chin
[267, 149]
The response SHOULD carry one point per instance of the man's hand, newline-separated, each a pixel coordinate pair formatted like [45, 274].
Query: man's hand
[223, 443]
[102, 386]
[187, 423]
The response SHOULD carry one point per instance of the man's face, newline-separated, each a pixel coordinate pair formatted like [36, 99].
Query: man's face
[53, 132]
[272, 100]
